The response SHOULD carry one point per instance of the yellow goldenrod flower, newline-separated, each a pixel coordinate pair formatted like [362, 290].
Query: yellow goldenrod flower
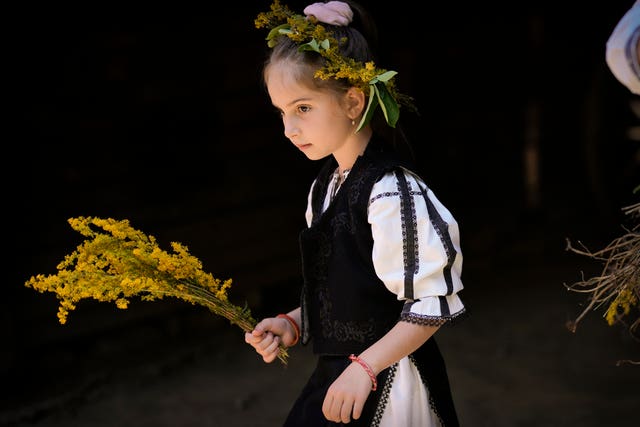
[117, 262]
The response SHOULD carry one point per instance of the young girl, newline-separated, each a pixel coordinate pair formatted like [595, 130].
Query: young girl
[381, 255]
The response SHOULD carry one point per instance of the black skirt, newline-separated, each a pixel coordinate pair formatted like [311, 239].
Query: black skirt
[307, 409]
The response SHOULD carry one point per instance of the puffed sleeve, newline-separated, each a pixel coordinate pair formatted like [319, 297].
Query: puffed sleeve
[416, 251]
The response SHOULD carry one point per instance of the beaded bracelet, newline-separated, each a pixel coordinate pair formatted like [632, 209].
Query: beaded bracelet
[295, 327]
[367, 368]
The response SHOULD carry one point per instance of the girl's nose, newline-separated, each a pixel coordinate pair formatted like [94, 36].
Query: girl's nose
[290, 129]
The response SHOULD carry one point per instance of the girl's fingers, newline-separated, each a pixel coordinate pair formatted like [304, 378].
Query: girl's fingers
[270, 353]
[326, 407]
[357, 409]
[274, 345]
[345, 413]
[251, 338]
[265, 341]
[261, 342]
[336, 410]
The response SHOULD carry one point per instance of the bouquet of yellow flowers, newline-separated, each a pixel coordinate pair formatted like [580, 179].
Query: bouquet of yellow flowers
[117, 262]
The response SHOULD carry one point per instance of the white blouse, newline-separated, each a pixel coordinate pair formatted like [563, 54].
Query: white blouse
[434, 299]
[436, 279]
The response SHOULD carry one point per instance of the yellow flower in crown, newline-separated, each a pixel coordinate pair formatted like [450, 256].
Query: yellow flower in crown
[311, 35]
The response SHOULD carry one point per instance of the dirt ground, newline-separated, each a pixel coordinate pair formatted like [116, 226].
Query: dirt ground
[511, 363]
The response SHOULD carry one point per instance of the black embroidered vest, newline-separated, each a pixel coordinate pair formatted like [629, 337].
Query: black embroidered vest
[345, 306]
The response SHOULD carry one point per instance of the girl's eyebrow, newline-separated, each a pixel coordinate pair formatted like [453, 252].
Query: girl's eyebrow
[295, 101]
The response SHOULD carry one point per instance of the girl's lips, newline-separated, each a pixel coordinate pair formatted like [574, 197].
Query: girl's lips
[303, 146]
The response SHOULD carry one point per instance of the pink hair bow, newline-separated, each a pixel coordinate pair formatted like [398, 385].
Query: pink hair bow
[333, 12]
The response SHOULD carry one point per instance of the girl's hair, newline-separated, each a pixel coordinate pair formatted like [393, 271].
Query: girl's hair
[361, 45]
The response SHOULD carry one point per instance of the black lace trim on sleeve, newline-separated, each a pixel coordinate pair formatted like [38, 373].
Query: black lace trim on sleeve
[425, 320]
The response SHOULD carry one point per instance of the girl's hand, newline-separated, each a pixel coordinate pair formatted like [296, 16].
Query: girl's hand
[267, 336]
[346, 396]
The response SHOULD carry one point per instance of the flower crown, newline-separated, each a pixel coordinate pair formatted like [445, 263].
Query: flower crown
[311, 35]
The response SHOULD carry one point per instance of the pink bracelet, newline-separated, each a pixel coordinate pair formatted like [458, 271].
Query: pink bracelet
[293, 323]
[367, 368]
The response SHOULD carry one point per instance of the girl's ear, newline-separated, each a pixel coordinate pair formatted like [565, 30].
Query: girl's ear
[355, 102]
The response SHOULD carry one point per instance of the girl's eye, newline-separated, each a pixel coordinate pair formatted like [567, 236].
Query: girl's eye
[304, 108]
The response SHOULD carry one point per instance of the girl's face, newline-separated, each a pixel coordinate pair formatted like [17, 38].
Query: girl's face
[314, 120]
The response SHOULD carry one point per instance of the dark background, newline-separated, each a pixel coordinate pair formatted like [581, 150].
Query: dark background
[158, 116]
